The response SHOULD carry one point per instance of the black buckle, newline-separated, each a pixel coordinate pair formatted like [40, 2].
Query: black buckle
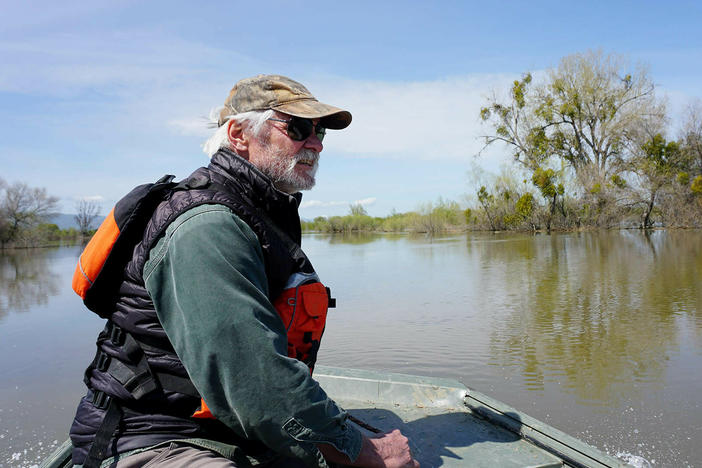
[103, 361]
[116, 335]
[140, 385]
[101, 400]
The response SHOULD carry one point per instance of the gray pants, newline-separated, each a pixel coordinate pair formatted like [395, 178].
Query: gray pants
[178, 455]
[175, 455]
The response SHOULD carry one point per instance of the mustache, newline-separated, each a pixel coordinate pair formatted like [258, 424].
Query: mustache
[308, 154]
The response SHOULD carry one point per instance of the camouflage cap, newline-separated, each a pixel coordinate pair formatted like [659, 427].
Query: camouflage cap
[263, 92]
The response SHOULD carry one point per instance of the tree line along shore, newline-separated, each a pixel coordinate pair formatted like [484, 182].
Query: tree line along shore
[25, 214]
[591, 148]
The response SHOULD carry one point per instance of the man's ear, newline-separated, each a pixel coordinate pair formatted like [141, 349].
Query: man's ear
[238, 139]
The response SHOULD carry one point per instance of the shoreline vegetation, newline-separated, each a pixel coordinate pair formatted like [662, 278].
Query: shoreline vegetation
[25, 213]
[591, 148]
[505, 213]
[47, 235]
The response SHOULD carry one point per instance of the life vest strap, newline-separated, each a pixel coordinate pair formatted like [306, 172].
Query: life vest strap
[140, 379]
[113, 415]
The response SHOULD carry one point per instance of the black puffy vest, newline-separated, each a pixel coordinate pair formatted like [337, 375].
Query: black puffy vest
[154, 412]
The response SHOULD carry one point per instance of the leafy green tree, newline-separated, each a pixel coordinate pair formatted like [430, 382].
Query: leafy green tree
[515, 124]
[546, 181]
[691, 140]
[50, 232]
[486, 199]
[357, 210]
[468, 215]
[523, 211]
[448, 212]
[696, 186]
[583, 114]
[525, 206]
[618, 181]
[444, 215]
[656, 166]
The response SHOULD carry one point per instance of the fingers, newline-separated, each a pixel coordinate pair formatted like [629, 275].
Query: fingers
[389, 450]
[400, 453]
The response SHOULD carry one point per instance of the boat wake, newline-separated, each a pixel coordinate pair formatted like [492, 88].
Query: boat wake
[634, 460]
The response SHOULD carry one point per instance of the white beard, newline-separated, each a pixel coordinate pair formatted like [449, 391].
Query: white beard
[281, 170]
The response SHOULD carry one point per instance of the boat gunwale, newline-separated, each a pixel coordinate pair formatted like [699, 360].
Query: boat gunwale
[456, 395]
[572, 451]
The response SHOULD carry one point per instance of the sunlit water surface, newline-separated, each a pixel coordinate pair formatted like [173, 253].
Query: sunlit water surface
[597, 334]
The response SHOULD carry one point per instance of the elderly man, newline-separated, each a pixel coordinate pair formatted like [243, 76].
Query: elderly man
[207, 356]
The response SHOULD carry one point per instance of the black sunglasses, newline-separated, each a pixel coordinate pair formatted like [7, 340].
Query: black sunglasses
[299, 129]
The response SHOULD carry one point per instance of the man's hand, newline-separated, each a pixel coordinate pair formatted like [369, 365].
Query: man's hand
[390, 450]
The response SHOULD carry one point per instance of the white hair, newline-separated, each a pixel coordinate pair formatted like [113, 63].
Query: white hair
[252, 121]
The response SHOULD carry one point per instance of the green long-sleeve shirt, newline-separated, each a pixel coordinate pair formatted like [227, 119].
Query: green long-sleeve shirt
[207, 280]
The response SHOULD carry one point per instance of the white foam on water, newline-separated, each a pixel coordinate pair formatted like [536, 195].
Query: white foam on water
[634, 460]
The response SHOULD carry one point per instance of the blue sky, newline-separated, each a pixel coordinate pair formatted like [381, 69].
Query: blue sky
[96, 97]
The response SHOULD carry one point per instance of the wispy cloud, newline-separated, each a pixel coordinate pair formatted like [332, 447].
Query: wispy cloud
[322, 204]
[198, 126]
[365, 201]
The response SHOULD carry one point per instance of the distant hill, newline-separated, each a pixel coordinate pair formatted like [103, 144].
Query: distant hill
[66, 221]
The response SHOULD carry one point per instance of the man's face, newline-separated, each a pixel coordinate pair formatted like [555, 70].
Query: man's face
[290, 164]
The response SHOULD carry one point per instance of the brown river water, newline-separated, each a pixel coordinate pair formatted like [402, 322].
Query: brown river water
[596, 334]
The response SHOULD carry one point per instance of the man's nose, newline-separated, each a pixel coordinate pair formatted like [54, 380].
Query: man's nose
[314, 143]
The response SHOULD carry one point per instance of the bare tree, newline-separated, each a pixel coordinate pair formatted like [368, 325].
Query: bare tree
[87, 211]
[22, 207]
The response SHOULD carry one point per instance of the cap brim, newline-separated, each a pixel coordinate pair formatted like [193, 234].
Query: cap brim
[330, 116]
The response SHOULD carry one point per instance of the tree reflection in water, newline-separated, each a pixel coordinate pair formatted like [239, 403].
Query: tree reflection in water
[27, 278]
[598, 317]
